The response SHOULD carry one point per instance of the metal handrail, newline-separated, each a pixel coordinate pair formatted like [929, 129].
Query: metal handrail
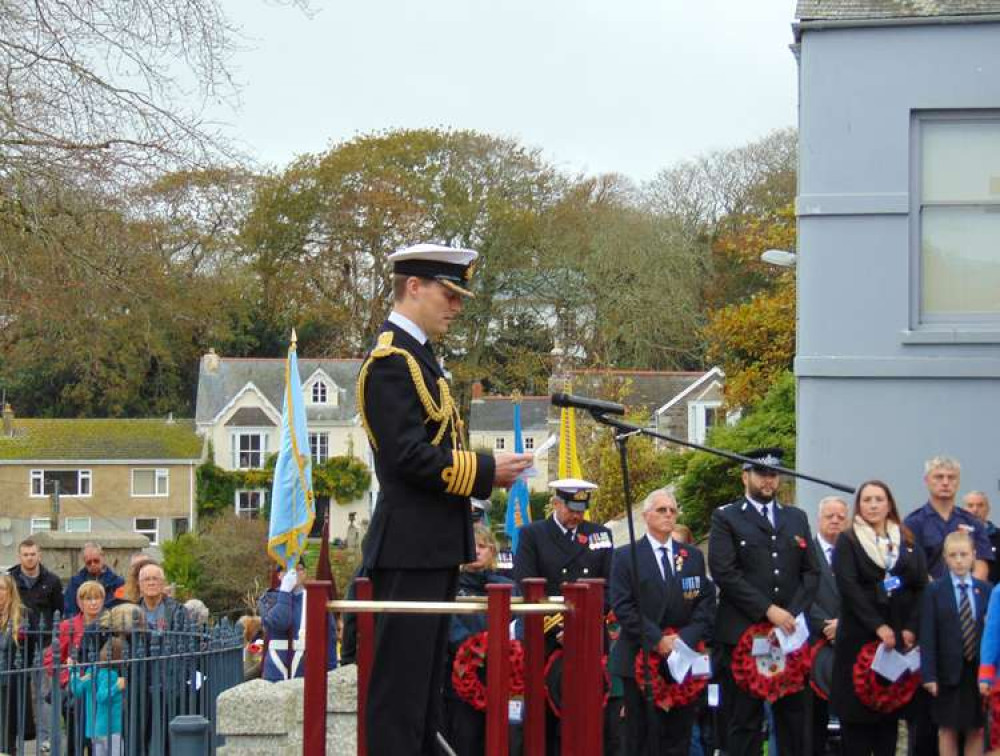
[436, 607]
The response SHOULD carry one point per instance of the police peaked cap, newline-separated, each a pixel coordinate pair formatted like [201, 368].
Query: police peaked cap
[764, 459]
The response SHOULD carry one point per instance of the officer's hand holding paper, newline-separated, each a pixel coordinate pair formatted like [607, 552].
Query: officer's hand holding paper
[791, 642]
[549, 443]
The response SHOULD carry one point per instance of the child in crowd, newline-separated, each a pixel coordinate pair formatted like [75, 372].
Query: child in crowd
[100, 688]
[950, 630]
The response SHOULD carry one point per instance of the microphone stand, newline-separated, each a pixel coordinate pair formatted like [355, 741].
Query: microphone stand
[625, 431]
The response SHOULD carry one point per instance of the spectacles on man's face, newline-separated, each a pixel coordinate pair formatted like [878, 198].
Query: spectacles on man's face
[666, 510]
[93, 561]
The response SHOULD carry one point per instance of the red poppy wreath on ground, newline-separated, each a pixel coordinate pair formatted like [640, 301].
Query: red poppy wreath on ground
[553, 681]
[874, 691]
[667, 693]
[768, 677]
[468, 671]
[812, 680]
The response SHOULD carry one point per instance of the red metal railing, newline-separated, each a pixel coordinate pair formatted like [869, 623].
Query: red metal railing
[582, 686]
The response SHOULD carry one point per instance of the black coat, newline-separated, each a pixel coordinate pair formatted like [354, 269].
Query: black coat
[45, 597]
[864, 607]
[422, 516]
[544, 551]
[755, 565]
[826, 606]
[664, 603]
[941, 652]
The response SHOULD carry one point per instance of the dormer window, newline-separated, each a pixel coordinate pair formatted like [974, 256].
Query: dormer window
[319, 393]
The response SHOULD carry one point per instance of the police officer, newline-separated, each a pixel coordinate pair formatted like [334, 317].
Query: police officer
[565, 547]
[422, 527]
[760, 558]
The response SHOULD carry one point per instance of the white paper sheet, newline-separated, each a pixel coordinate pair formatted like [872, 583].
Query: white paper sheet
[702, 666]
[913, 660]
[760, 647]
[532, 471]
[791, 642]
[890, 663]
[681, 659]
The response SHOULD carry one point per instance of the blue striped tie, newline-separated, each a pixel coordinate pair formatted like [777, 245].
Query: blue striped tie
[967, 623]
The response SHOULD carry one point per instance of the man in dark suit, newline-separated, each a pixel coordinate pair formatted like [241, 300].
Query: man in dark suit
[422, 528]
[674, 593]
[759, 557]
[823, 614]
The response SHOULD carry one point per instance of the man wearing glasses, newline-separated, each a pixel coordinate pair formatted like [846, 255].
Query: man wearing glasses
[94, 568]
[678, 604]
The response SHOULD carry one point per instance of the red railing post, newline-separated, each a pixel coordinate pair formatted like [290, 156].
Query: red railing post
[497, 668]
[365, 655]
[595, 653]
[314, 696]
[573, 695]
[534, 670]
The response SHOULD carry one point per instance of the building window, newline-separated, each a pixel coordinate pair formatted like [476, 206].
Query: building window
[701, 417]
[959, 219]
[149, 527]
[319, 447]
[249, 503]
[39, 524]
[249, 450]
[181, 526]
[150, 482]
[70, 482]
[319, 393]
[499, 443]
[529, 443]
[76, 524]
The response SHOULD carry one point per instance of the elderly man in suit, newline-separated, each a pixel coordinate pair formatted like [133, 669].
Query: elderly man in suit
[673, 593]
[759, 556]
[832, 519]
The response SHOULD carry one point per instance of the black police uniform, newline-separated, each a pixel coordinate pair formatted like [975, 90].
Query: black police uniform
[755, 565]
[420, 533]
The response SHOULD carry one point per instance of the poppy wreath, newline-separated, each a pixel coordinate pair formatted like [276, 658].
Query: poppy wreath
[874, 691]
[468, 671]
[776, 683]
[812, 680]
[550, 668]
[668, 695]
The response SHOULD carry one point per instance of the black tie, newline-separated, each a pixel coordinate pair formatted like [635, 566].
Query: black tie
[763, 511]
[569, 535]
[665, 562]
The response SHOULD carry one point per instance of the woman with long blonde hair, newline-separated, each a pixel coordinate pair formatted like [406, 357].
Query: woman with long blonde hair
[16, 653]
[11, 608]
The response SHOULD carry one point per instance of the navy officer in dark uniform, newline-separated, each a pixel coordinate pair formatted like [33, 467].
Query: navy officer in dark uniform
[422, 527]
[760, 559]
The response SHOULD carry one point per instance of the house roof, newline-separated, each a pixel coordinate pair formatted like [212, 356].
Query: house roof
[250, 417]
[86, 439]
[849, 10]
[221, 379]
[496, 413]
[647, 389]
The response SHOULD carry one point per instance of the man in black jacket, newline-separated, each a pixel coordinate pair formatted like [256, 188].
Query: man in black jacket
[676, 595]
[422, 528]
[41, 591]
[759, 556]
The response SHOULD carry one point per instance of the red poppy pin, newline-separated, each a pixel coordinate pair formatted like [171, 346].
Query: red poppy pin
[801, 542]
[683, 553]
[581, 538]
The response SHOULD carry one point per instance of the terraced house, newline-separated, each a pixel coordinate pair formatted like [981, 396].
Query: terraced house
[112, 476]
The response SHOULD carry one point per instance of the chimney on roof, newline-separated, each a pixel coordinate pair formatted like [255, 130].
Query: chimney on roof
[477, 391]
[210, 361]
[8, 420]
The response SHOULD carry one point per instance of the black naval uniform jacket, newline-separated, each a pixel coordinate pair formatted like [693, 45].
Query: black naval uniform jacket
[684, 601]
[422, 516]
[755, 565]
[544, 551]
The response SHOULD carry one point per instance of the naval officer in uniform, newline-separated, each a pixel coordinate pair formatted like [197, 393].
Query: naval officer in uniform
[760, 558]
[422, 527]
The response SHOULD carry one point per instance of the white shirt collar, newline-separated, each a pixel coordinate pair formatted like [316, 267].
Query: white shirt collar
[958, 581]
[824, 543]
[760, 505]
[657, 545]
[398, 319]
[559, 525]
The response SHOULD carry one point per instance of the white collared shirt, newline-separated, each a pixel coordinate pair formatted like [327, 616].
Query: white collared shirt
[760, 509]
[559, 525]
[669, 545]
[967, 580]
[827, 548]
[398, 319]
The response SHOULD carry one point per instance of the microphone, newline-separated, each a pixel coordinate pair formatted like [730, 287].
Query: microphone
[597, 406]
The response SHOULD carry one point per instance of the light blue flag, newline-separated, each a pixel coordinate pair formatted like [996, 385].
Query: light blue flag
[292, 503]
[518, 512]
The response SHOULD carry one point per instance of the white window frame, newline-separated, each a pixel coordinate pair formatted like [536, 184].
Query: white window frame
[153, 534]
[928, 329]
[83, 476]
[40, 525]
[85, 521]
[697, 419]
[159, 474]
[499, 443]
[320, 392]
[262, 493]
[314, 450]
[235, 448]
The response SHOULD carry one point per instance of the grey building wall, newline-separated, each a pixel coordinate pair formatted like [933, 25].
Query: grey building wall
[875, 396]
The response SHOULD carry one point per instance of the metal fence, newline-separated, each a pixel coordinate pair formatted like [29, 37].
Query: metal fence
[118, 688]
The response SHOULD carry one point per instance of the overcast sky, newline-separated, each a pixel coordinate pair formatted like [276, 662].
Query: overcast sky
[630, 85]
